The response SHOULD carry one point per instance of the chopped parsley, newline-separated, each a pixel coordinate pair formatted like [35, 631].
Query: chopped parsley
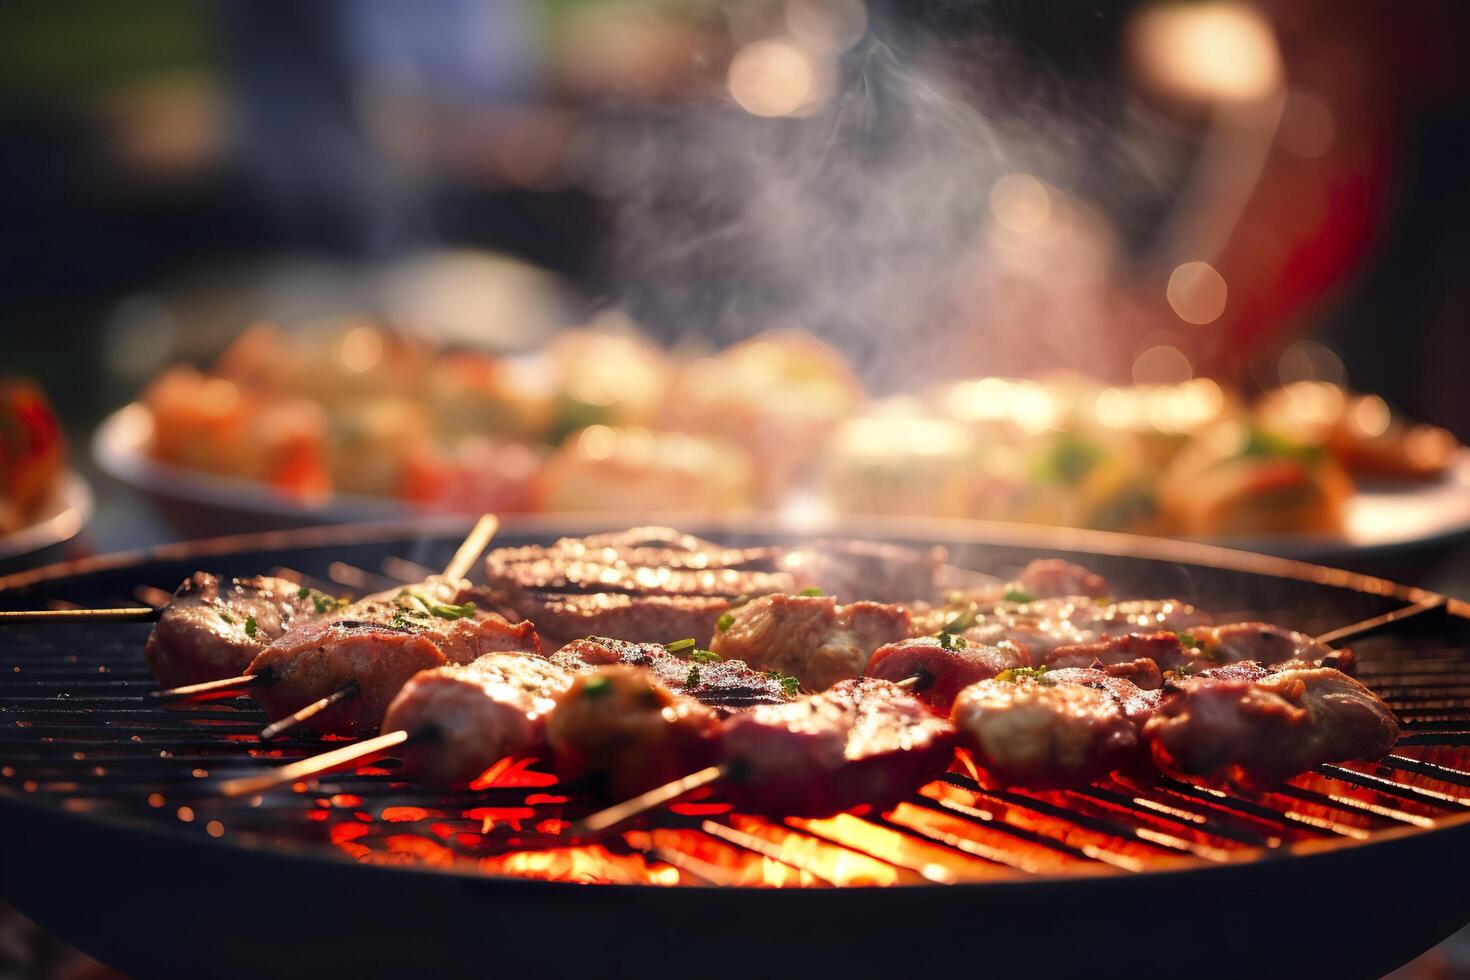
[724, 622]
[303, 593]
[704, 656]
[789, 684]
[1188, 641]
[951, 641]
[814, 591]
[1017, 673]
[597, 686]
[250, 626]
[680, 645]
[1017, 595]
[446, 611]
[692, 680]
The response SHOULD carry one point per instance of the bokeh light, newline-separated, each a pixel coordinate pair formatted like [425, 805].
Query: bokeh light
[1208, 52]
[1162, 365]
[1020, 202]
[771, 78]
[1197, 292]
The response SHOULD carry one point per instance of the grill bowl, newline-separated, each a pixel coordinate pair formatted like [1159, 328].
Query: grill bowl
[1359, 869]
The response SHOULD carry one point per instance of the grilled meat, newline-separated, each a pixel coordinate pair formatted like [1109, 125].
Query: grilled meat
[312, 662]
[620, 728]
[944, 666]
[810, 637]
[1255, 725]
[862, 741]
[1054, 578]
[1265, 644]
[721, 683]
[469, 716]
[1034, 731]
[213, 628]
[637, 619]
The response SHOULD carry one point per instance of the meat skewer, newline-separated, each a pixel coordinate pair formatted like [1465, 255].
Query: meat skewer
[620, 699]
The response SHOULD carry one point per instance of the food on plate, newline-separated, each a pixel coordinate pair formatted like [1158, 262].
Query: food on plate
[32, 453]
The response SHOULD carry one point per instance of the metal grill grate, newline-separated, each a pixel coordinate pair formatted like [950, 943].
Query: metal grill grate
[75, 729]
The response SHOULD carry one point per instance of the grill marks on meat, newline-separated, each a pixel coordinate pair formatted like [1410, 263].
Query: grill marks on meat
[811, 637]
[624, 732]
[475, 714]
[1030, 732]
[862, 741]
[204, 633]
[1255, 726]
[722, 683]
[943, 669]
[655, 585]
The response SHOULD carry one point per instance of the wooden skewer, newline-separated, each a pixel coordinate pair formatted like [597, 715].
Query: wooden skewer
[604, 820]
[283, 725]
[125, 614]
[221, 686]
[459, 566]
[314, 766]
[1366, 626]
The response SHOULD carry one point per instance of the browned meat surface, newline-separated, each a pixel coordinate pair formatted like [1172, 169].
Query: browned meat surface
[943, 667]
[654, 585]
[468, 717]
[1137, 703]
[1047, 626]
[722, 683]
[1255, 727]
[861, 741]
[1050, 578]
[812, 638]
[1162, 648]
[624, 732]
[1264, 644]
[213, 628]
[1035, 732]
[309, 663]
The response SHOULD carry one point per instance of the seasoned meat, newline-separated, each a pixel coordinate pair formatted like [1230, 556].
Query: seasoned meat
[1035, 732]
[943, 667]
[1162, 648]
[862, 741]
[470, 716]
[309, 663]
[1051, 578]
[811, 638]
[625, 732]
[214, 628]
[656, 585]
[1046, 627]
[1137, 703]
[1254, 726]
[1264, 644]
[722, 683]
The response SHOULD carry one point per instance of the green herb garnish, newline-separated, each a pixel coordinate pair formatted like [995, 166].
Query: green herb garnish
[1017, 673]
[446, 611]
[597, 687]
[678, 645]
[704, 656]
[303, 593]
[1017, 595]
[813, 591]
[1188, 641]
[724, 622]
[692, 680]
[951, 641]
[960, 623]
[250, 626]
[790, 685]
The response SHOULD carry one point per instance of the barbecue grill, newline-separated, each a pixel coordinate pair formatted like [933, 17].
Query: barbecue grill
[115, 840]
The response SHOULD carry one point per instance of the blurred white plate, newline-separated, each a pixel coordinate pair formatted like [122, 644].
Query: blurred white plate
[1380, 517]
[61, 518]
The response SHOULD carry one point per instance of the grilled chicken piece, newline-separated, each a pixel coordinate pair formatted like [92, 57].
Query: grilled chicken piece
[1137, 702]
[213, 628]
[721, 683]
[620, 728]
[1047, 627]
[1263, 643]
[1162, 648]
[812, 638]
[1255, 726]
[312, 662]
[1033, 731]
[469, 716]
[1053, 578]
[862, 741]
[943, 666]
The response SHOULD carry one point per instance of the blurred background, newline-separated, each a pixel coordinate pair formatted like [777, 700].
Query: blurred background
[1181, 268]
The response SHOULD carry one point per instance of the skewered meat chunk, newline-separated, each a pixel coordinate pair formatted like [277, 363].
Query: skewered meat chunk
[722, 683]
[1031, 731]
[213, 628]
[861, 741]
[944, 666]
[312, 662]
[810, 637]
[1138, 703]
[1051, 578]
[1162, 648]
[1265, 644]
[1046, 627]
[475, 714]
[638, 619]
[1255, 726]
[622, 728]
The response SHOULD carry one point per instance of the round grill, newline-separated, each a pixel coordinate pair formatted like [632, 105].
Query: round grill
[118, 843]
